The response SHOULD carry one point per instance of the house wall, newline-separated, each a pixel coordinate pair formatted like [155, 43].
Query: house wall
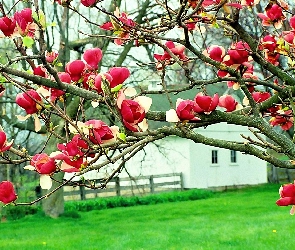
[247, 170]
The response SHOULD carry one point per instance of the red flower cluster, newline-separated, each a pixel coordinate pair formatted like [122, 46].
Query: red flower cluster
[282, 117]
[120, 26]
[22, 23]
[72, 154]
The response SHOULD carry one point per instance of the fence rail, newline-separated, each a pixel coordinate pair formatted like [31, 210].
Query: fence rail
[127, 186]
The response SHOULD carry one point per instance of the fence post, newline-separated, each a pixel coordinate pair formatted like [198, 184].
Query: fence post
[181, 181]
[117, 186]
[82, 192]
[152, 188]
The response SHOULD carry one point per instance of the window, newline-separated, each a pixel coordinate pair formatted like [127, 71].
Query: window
[233, 156]
[214, 157]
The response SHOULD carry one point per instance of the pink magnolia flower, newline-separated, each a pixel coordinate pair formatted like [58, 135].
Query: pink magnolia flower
[4, 145]
[89, 80]
[119, 75]
[115, 76]
[287, 194]
[7, 193]
[92, 57]
[72, 154]
[120, 29]
[273, 16]
[215, 52]
[99, 132]
[238, 54]
[166, 59]
[207, 104]
[7, 25]
[289, 37]
[98, 81]
[187, 109]
[75, 69]
[292, 22]
[51, 56]
[89, 3]
[228, 102]
[132, 114]
[27, 101]
[282, 118]
[56, 93]
[40, 71]
[269, 43]
[25, 22]
[260, 96]
[43, 164]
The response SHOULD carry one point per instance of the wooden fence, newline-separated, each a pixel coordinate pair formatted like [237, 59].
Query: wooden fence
[127, 186]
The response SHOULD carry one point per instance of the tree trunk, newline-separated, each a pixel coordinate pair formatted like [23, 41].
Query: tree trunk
[53, 206]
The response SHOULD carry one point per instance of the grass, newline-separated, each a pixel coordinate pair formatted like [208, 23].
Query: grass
[242, 219]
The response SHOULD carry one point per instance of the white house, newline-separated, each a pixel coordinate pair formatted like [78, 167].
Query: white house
[202, 166]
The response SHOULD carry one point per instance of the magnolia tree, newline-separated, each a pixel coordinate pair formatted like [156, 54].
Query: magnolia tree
[258, 65]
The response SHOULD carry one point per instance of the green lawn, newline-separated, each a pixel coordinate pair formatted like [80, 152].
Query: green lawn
[243, 219]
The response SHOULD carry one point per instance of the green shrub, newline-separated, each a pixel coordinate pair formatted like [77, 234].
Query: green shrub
[103, 203]
[17, 212]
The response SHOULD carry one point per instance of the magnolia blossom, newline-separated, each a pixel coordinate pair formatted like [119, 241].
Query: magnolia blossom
[7, 193]
[269, 43]
[166, 59]
[282, 118]
[56, 93]
[287, 194]
[75, 69]
[260, 96]
[115, 76]
[40, 71]
[25, 23]
[99, 132]
[273, 16]
[92, 57]
[228, 102]
[237, 54]
[215, 52]
[7, 25]
[133, 111]
[89, 3]
[72, 154]
[51, 56]
[120, 29]
[27, 101]
[43, 164]
[4, 145]
[249, 3]
[187, 109]
[206, 104]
